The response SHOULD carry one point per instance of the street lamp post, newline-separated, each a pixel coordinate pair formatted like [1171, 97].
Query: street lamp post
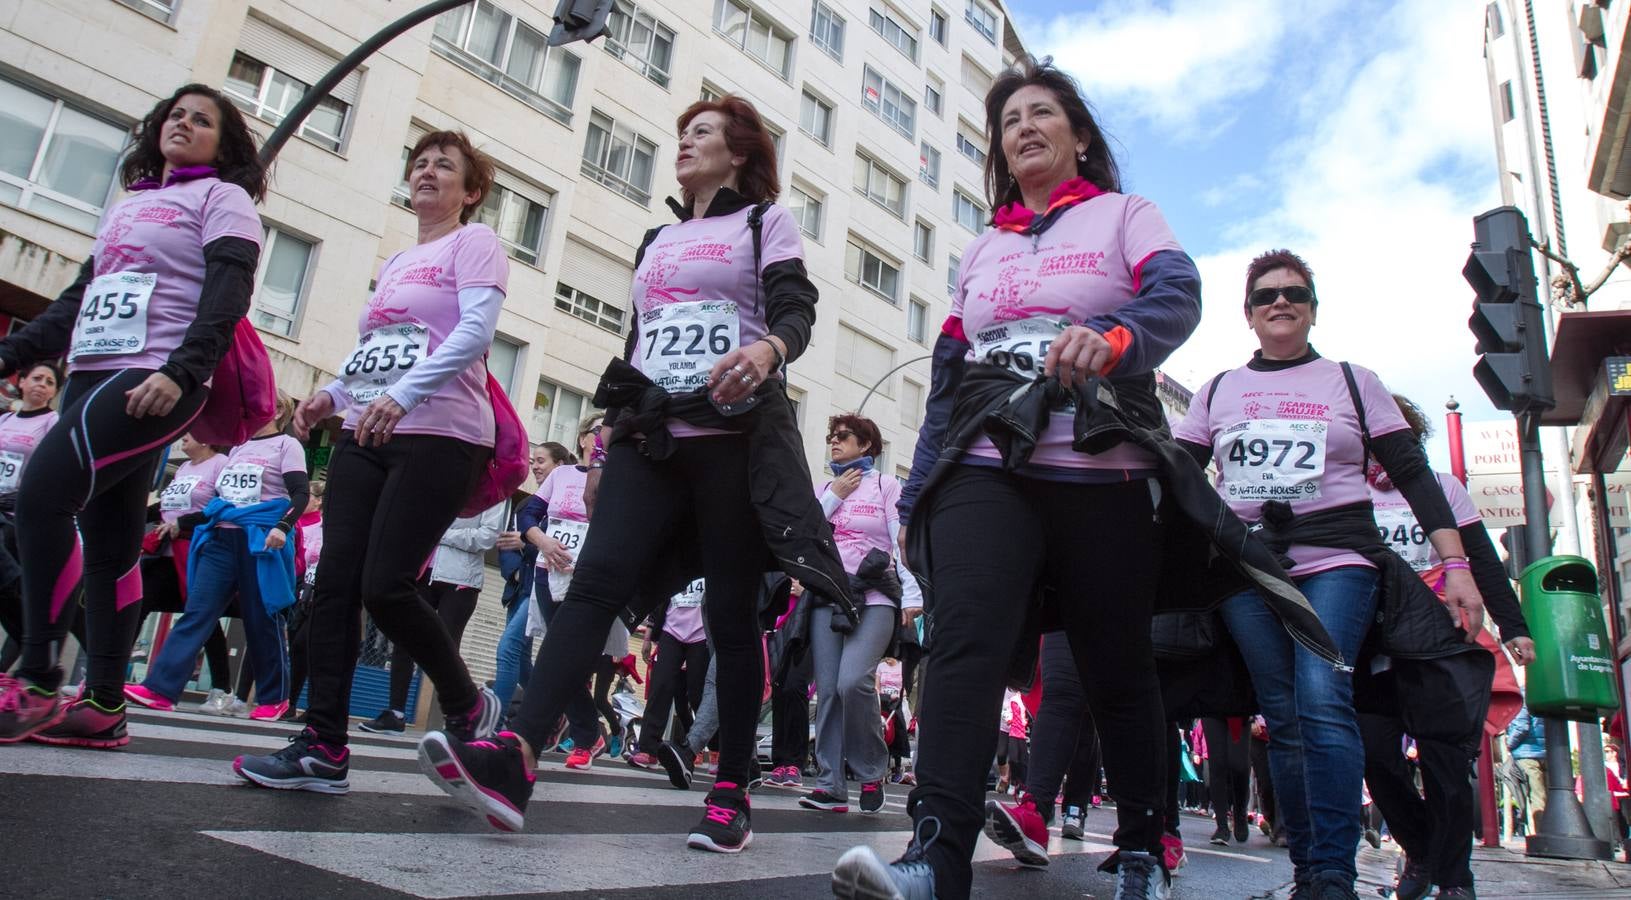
[879, 383]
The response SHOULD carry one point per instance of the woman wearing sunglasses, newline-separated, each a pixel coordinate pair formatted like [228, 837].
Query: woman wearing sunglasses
[1290, 444]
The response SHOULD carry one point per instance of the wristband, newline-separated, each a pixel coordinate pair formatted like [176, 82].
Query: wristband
[1462, 565]
[780, 359]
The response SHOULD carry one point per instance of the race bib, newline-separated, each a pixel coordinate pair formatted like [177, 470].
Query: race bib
[11, 471]
[1019, 346]
[240, 484]
[570, 533]
[1399, 530]
[691, 596]
[381, 358]
[113, 316]
[178, 496]
[1274, 459]
[682, 342]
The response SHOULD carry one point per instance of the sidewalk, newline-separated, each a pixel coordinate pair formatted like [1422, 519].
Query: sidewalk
[1503, 873]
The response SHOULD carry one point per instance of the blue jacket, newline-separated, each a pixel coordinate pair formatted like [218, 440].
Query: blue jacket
[1526, 736]
[274, 569]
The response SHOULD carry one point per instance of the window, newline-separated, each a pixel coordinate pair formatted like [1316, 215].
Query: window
[937, 26]
[953, 263]
[881, 186]
[976, 79]
[1492, 14]
[871, 271]
[982, 18]
[618, 158]
[511, 54]
[1507, 111]
[55, 160]
[967, 211]
[815, 118]
[827, 30]
[637, 38]
[518, 216]
[710, 93]
[864, 360]
[934, 95]
[280, 281]
[556, 412]
[901, 37]
[503, 359]
[888, 101]
[597, 312]
[805, 205]
[928, 165]
[778, 142]
[917, 320]
[157, 9]
[911, 403]
[272, 70]
[923, 240]
[970, 144]
[756, 35]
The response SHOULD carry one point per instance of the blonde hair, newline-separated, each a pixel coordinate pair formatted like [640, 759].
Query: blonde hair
[285, 410]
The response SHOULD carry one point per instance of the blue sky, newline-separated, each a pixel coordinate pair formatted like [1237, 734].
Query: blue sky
[1356, 133]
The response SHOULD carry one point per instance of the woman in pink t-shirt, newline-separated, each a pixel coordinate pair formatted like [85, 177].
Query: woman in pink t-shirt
[1288, 441]
[143, 325]
[20, 433]
[417, 434]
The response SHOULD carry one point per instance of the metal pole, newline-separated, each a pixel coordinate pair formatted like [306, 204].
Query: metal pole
[880, 381]
[1452, 430]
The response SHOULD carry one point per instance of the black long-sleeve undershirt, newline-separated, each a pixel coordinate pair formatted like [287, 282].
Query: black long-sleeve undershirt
[1493, 585]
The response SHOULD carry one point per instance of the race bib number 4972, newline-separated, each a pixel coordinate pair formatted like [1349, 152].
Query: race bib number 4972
[1274, 459]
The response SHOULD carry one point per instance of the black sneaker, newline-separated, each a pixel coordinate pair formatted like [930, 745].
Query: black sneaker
[1220, 837]
[492, 777]
[387, 722]
[306, 764]
[871, 797]
[863, 875]
[479, 722]
[724, 827]
[1242, 832]
[1139, 876]
[823, 801]
[756, 775]
[1329, 886]
[1073, 823]
[679, 763]
[1414, 882]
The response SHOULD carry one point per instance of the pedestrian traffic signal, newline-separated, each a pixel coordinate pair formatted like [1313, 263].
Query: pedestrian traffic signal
[1507, 318]
[579, 20]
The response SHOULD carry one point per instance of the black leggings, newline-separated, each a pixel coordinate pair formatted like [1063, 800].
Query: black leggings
[665, 683]
[94, 467]
[1064, 740]
[1229, 772]
[644, 508]
[1098, 546]
[386, 510]
[605, 677]
[454, 605]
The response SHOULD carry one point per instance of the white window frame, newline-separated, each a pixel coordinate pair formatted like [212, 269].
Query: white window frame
[158, 10]
[498, 72]
[983, 19]
[874, 171]
[911, 413]
[552, 391]
[939, 24]
[953, 263]
[261, 107]
[520, 361]
[865, 251]
[928, 165]
[822, 38]
[771, 27]
[961, 200]
[812, 199]
[891, 109]
[514, 188]
[30, 187]
[586, 306]
[827, 110]
[917, 321]
[923, 241]
[621, 46]
[617, 182]
[968, 144]
[270, 234]
[934, 95]
[888, 25]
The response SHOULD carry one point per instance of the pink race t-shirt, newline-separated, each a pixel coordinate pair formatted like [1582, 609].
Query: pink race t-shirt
[1291, 434]
[150, 251]
[191, 488]
[697, 296]
[420, 287]
[1015, 292]
[19, 435]
[861, 523]
[562, 491]
[1396, 521]
[253, 472]
[684, 618]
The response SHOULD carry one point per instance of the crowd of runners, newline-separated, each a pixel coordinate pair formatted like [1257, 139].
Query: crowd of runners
[1067, 583]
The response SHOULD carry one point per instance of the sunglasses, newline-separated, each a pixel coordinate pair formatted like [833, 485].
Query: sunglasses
[594, 430]
[1266, 296]
[840, 436]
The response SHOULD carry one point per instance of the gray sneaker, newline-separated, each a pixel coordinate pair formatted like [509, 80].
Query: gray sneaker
[1139, 876]
[861, 874]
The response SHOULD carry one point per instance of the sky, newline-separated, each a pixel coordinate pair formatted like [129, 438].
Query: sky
[1357, 134]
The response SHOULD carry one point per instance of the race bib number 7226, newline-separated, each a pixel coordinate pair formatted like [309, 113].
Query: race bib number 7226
[1274, 459]
[680, 342]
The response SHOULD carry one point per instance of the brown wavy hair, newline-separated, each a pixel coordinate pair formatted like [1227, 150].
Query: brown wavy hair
[236, 159]
[865, 431]
[745, 135]
[479, 170]
[1100, 167]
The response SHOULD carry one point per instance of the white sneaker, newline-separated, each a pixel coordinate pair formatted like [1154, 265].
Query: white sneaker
[216, 703]
[236, 708]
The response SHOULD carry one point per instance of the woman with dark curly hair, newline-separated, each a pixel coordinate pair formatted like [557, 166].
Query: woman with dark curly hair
[143, 326]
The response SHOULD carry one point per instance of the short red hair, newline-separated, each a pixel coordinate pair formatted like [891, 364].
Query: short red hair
[746, 136]
[865, 431]
[1278, 259]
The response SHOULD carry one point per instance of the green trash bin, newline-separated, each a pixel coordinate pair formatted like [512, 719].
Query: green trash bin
[1572, 676]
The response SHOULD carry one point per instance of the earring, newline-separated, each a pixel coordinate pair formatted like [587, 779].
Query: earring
[1082, 156]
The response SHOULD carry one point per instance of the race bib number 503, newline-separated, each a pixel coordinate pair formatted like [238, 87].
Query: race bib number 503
[1274, 459]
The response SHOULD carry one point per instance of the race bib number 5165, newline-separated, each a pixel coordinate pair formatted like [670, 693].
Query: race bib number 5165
[1274, 459]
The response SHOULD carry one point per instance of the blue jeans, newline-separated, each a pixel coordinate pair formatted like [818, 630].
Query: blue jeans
[514, 653]
[1316, 756]
[224, 565]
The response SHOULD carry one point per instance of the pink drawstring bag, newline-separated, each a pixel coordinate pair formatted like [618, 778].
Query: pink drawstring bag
[508, 468]
[243, 393]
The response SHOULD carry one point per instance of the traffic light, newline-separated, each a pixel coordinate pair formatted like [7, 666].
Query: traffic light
[579, 20]
[1507, 318]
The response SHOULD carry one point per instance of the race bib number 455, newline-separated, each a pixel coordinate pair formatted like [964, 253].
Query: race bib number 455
[113, 315]
[680, 342]
[1274, 459]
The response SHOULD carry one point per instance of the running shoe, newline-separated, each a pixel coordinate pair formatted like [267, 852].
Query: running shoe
[861, 874]
[237, 709]
[756, 775]
[1220, 837]
[1242, 830]
[1414, 881]
[1019, 829]
[1332, 886]
[26, 709]
[584, 757]
[821, 800]
[1073, 823]
[871, 797]
[793, 778]
[306, 764]
[87, 724]
[1139, 876]
[1172, 852]
[1374, 838]
[1265, 826]
[777, 777]
[1458, 893]
[387, 722]
[215, 704]
[1097, 801]
[677, 760]
[492, 777]
[724, 827]
[269, 712]
[480, 721]
[141, 695]
[643, 760]
[614, 746]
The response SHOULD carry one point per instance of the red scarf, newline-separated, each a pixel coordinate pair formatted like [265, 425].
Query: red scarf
[1019, 217]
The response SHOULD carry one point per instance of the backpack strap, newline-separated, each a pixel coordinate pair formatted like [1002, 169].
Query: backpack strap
[1213, 390]
[756, 225]
[1359, 409]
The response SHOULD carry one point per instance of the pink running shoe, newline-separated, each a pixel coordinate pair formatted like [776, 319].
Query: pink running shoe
[1019, 829]
[26, 710]
[142, 696]
[1172, 852]
[643, 760]
[269, 712]
[87, 724]
[580, 758]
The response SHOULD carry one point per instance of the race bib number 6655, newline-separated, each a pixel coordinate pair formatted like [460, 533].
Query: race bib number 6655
[1274, 459]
